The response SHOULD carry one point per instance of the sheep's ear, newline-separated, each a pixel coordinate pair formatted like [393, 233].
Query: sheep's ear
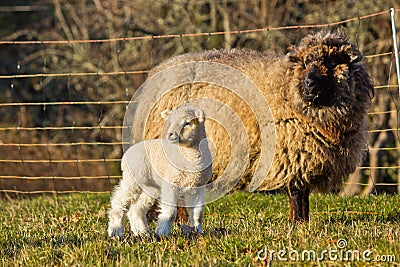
[165, 114]
[293, 55]
[293, 58]
[353, 53]
[200, 115]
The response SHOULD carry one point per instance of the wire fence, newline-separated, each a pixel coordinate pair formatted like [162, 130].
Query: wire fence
[64, 156]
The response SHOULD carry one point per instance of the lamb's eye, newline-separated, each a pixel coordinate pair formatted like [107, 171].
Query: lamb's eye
[187, 123]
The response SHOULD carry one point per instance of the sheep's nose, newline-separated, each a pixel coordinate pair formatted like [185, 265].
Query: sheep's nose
[311, 81]
[308, 82]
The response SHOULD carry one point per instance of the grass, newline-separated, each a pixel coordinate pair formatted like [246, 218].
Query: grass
[71, 230]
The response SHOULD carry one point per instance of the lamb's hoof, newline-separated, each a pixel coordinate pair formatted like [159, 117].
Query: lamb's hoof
[117, 237]
[161, 233]
[116, 233]
[141, 234]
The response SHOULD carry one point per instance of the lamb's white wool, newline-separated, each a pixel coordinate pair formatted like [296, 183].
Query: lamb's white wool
[166, 170]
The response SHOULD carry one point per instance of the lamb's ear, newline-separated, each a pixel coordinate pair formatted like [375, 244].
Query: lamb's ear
[165, 114]
[200, 115]
[352, 52]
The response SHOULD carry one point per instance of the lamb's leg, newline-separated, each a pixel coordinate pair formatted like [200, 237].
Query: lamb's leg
[167, 214]
[299, 204]
[195, 203]
[120, 202]
[137, 215]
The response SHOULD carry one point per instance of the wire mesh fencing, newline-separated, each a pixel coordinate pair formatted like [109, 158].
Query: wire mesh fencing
[63, 104]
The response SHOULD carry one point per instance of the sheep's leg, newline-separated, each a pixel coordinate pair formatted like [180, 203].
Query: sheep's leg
[168, 211]
[195, 204]
[299, 204]
[137, 215]
[306, 204]
[120, 202]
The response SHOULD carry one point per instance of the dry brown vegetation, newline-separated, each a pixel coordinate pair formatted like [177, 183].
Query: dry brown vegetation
[95, 19]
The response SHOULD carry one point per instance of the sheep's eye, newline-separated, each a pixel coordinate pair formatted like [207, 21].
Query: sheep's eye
[187, 123]
[307, 62]
[332, 63]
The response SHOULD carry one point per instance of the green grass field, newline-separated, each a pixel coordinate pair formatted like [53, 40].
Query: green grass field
[71, 230]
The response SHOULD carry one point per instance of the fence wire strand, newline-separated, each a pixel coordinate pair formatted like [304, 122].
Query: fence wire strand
[76, 143]
[150, 37]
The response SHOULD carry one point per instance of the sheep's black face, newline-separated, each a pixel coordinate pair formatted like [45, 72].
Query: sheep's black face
[322, 67]
[317, 87]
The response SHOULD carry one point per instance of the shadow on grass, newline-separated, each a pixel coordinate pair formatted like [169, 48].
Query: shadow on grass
[11, 248]
[347, 217]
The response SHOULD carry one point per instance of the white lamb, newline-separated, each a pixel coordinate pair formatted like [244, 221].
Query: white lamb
[166, 170]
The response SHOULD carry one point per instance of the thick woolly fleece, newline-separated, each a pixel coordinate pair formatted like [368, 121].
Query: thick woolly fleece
[317, 145]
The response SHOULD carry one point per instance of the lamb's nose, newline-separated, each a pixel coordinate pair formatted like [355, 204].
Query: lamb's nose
[172, 137]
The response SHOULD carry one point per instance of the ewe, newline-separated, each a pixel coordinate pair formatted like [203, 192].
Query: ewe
[318, 93]
[167, 170]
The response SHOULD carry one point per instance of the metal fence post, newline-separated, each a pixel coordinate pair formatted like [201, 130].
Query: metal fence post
[396, 55]
[396, 48]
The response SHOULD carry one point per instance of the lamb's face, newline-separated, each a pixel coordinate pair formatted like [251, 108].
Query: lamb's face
[323, 66]
[185, 125]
